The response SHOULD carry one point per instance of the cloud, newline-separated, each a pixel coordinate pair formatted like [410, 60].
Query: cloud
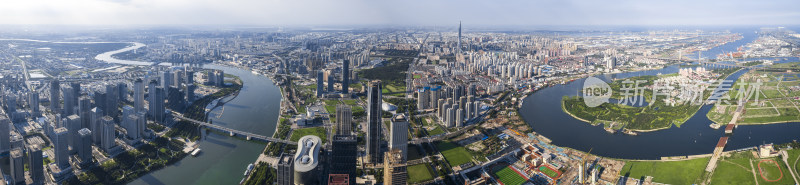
[410, 12]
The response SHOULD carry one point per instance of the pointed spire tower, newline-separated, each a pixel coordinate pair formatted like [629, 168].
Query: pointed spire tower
[459, 37]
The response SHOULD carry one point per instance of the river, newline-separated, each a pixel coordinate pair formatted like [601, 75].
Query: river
[542, 111]
[223, 158]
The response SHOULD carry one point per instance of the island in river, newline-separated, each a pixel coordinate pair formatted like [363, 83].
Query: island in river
[633, 106]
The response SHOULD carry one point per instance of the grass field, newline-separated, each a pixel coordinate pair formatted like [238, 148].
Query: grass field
[317, 131]
[734, 170]
[793, 154]
[438, 130]
[390, 88]
[509, 177]
[419, 173]
[350, 102]
[455, 155]
[670, 172]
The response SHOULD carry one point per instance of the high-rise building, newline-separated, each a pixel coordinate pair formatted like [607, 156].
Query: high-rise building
[344, 154]
[60, 147]
[344, 119]
[17, 167]
[107, 142]
[112, 101]
[331, 80]
[345, 76]
[285, 170]
[306, 160]
[84, 107]
[399, 134]
[33, 102]
[320, 91]
[35, 164]
[5, 134]
[459, 117]
[132, 124]
[394, 170]
[190, 88]
[84, 147]
[156, 103]
[138, 95]
[95, 115]
[166, 78]
[189, 76]
[73, 124]
[423, 95]
[55, 103]
[374, 102]
[69, 100]
[459, 38]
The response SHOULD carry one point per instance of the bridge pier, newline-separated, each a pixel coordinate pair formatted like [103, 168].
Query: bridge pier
[248, 138]
[232, 134]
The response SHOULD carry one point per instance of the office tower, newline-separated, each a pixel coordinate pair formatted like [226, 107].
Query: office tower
[60, 147]
[73, 124]
[374, 102]
[399, 134]
[175, 99]
[285, 170]
[166, 78]
[55, 103]
[84, 107]
[156, 103]
[477, 108]
[344, 153]
[100, 100]
[138, 95]
[189, 77]
[108, 133]
[112, 101]
[33, 102]
[319, 84]
[331, 80]
[345, 76]
[122, 91]
[190, 88]
[306, 160]
[127, 110]
[35, 164]
[84, 146]
[177, 78]
[5, 134]
[95, 115]
[394, 170]
[344, 119]
[132, 124]
[16, 140]
[69, 103]
[17, 167]
[459, 38]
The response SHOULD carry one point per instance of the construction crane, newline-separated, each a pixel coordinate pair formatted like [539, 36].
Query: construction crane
[582, 172]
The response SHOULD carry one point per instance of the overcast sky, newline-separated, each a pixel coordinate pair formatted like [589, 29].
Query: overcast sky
[401, 12]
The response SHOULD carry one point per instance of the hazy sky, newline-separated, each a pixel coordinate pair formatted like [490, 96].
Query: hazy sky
[403, 12]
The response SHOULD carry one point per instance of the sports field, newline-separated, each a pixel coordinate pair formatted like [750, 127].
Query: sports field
[509, 177]
[455, 155]
[772, 171]
[549, 172]
[419, 173]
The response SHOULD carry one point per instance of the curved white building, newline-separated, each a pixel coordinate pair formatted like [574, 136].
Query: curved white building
[306, 160]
